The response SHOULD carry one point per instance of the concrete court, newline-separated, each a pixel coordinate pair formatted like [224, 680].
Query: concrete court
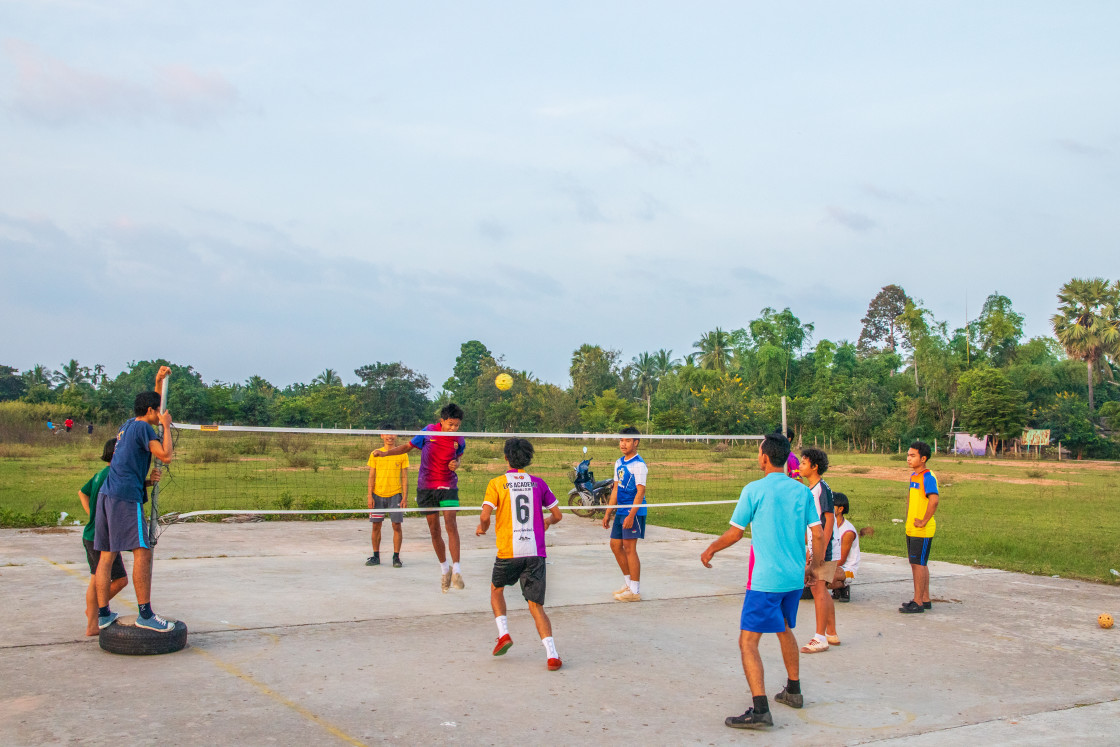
[294, 641]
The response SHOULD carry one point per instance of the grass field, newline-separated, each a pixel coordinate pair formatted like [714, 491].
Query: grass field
[1047, 518]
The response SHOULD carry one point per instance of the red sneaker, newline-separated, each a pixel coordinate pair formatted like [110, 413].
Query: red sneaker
[554, 664]
[503, 645]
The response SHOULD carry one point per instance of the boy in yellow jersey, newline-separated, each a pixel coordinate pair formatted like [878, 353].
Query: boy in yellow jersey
[518, 501]
[920, 524]
[388, 488]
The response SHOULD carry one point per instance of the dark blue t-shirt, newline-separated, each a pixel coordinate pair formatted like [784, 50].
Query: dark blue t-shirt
[131, 461]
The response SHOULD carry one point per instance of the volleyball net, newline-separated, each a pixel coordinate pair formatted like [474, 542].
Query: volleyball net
[324, 473]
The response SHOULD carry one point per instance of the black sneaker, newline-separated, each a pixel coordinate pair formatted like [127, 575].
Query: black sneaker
[750, 720]
[397, 562]
[790, 699]
[845, 594]
[927, 605]
[373, 560]
[911, 607]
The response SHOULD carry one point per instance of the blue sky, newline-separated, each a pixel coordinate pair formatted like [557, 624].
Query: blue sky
[276, 188]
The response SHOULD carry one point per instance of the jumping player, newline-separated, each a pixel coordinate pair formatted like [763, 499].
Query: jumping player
[778, 510]
[437, 486]
[920, 524]
[388, 488]
[118, 578]
[119, 523]
[629, 489]
[518, 500]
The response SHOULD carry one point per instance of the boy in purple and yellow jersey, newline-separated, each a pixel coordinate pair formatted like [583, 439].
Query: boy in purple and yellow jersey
[437, 486]
[517, 501]
[920, 524]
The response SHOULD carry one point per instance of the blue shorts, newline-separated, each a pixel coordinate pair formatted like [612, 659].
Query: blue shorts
[119, 526]
[918, 549]
[637, 530]
[769, 612]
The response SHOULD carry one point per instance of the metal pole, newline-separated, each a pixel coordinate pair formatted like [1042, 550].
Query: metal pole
[785, 427]
[153, 517]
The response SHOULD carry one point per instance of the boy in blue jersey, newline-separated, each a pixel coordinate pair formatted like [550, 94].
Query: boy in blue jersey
[119, 524]
[778, 510]
[629, 490]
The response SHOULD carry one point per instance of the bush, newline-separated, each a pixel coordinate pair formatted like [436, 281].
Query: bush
[860, 470]
[16, 451]
[1036, 474]
[301, 461]
[210, 455]
[254, 444]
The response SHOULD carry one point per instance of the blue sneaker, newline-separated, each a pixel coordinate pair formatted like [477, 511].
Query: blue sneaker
[104, 621]
[156, 623]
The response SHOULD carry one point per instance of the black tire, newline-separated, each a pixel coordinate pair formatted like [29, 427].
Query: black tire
[127, 639]
[575, 498]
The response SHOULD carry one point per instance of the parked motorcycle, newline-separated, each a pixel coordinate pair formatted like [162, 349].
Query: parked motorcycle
[589, 496]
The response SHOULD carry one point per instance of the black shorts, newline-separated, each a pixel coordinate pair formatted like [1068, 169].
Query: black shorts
[529, 571]
[918, 549]
[93, 557]
[434, 498]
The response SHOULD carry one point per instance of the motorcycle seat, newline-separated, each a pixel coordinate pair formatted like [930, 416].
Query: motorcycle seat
[602, 484]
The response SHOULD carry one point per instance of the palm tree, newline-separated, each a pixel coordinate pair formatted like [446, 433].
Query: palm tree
[664, 363]
[1086, 323]
[71, 375]
[645, 366]
[39, 374]
[714, 349]
[329, 377]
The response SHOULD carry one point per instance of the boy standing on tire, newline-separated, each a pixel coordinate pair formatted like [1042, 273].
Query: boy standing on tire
[629, 490]
[119, 524]
[518, 501]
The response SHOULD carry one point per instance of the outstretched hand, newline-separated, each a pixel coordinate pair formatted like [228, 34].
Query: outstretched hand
[706, 557]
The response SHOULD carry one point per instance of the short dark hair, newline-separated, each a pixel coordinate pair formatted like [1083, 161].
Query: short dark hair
[789, 434]
[451, 411]
[630, 431]
[110, 447]
[839, 499]
[384, 425]
[922, 448]
[143, 401]
[519, 452]
[776, 448]
[817, 458]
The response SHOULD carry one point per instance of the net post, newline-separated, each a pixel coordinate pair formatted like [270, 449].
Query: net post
[153, 516]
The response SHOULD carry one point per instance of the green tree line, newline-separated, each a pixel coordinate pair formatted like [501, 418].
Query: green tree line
[907, 376]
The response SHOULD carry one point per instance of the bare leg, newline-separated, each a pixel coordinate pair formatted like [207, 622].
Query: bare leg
[451, 520]
[544, 625]
[790, 653]
[497, 600]
[620, 557]
[397, 536]
[101, 578]
[630, 548]
[91, 601]
[375, 536]
[437, 537]
[752, 662]
[921, 583]
[823, 606]
[141, 573]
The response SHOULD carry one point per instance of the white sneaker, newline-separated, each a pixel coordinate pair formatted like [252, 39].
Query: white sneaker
[445, 582]
[457, 581]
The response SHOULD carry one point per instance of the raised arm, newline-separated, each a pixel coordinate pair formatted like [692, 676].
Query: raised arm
[163, 451]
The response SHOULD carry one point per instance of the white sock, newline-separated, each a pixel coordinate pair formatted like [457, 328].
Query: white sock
[454, 568]
[503, 625]
[550, 647]
[444, 567]
[635, 586]
[627, 580]
[820, 637]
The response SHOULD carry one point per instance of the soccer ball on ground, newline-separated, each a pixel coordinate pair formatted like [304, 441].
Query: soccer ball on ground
[504, 381]
[1104, 620]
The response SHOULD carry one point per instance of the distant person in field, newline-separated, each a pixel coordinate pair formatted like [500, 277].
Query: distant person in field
[845, 548]
[118, 579]
[920, 524]
[628, 498]
[778, 511]
[50, 426]
[437, 486]
[69, 423]
[518, 501]
[813, 464]
[89, 428]
[388, 488]
[119, 523]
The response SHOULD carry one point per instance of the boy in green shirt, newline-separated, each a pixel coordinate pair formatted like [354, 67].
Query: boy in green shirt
[118, 577]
